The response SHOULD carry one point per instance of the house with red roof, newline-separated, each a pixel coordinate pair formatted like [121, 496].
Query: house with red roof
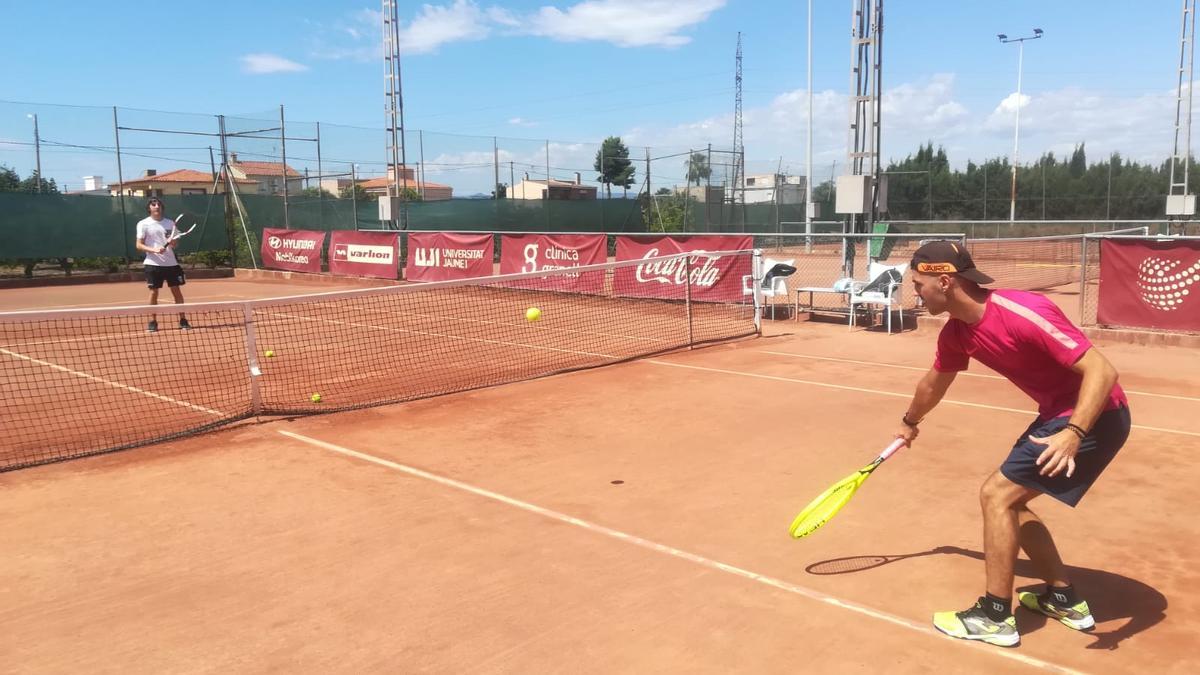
[268, 175]
[429, 192]
[177, 182]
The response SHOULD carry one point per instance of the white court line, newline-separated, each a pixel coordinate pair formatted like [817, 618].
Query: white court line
[110, 383]
[456, 337]
[677, 553]
[552, 329]
[122, 303]
[962, 373]
[880, 392]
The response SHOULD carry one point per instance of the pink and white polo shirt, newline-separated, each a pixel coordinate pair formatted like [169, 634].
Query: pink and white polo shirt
[1026, 338]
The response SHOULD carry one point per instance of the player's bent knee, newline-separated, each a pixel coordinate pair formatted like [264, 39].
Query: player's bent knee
[998, 492]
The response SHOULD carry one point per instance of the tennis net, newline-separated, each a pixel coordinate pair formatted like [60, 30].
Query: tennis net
[83, 382]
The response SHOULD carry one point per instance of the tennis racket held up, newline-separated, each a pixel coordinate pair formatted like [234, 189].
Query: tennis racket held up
[181, 221]
[827, 504]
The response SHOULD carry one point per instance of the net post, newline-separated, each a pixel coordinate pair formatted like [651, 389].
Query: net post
[687, 292]
[252, 360]
[756, 273]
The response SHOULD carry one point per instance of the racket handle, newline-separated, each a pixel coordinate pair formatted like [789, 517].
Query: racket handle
[889, 450]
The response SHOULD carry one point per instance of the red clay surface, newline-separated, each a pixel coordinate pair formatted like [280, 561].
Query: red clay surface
[250, 550]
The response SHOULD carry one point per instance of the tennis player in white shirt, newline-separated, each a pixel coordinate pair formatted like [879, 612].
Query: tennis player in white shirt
[153, 234]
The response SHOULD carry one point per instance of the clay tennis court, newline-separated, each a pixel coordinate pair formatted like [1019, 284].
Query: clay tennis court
[629, 518]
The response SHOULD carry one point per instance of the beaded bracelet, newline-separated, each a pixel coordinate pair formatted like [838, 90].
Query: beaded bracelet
[1078, 431]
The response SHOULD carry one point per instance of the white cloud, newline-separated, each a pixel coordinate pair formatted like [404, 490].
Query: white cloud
[625, 23]
[435, 26]
[1139, 127]
[521, 122]
[263, 64]
[357, 35]
[924, 106]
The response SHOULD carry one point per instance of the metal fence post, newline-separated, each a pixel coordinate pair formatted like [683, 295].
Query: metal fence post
[756, 279]
[1083, 280]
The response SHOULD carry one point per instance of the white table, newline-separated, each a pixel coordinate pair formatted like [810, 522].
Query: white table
[816, 289]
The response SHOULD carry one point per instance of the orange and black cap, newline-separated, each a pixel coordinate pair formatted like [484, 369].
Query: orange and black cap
[947, 257]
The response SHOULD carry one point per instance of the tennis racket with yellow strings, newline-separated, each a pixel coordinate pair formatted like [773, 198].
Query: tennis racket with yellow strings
[822, 509]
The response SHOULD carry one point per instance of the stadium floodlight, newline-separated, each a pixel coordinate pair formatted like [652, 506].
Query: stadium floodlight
[1037, 33]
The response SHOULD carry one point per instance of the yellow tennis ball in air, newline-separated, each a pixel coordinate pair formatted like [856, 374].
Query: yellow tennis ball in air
[533, 314]
[316, 398]
[270, 353]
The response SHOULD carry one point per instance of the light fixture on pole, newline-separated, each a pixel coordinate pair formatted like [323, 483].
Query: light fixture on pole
[37, 149]
[1037, 33]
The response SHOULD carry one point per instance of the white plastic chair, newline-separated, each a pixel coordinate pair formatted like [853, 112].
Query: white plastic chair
[885, 289]
[772, 285]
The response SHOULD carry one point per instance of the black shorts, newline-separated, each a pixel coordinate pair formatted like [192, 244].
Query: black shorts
[1095, 452]
[156, 275]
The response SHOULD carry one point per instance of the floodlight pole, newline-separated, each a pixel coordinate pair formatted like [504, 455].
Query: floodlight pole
[1004, 39]
[808, 202]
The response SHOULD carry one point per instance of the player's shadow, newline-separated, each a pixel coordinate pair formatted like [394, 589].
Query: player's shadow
[1111, 596]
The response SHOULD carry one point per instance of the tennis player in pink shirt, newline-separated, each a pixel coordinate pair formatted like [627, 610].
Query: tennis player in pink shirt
[1083, 420]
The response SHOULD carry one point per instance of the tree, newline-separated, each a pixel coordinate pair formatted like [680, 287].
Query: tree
[317, 193]
[612, 161]
[665, 211]
[356, 191]
[31, 185]
[698, 168]
[501, 191]
[10, 181]
[1078, 162]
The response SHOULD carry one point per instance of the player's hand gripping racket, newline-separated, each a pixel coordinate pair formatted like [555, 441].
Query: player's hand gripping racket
[181, 221]
[820, 510]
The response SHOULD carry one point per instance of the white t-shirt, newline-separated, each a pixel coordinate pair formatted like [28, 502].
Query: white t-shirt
[154, 233]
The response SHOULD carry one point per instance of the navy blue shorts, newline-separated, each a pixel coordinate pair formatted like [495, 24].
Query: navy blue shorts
[157, 274]
[1095, 452]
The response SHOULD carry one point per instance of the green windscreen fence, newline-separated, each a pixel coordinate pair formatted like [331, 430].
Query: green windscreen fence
[35, 226]
[308, 213]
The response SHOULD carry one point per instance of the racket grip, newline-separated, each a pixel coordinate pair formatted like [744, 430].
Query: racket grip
[891, 449]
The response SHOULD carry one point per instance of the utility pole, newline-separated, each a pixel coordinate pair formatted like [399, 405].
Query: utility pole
[37, 149]
[738, 156]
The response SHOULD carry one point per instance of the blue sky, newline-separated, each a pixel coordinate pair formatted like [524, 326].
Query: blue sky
[657, 73]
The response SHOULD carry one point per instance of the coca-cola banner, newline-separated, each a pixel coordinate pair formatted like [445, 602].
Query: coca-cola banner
[365, 254]
[542, 252]
[441, 256]
[714, 278]
[295, 250]
[1150, 283]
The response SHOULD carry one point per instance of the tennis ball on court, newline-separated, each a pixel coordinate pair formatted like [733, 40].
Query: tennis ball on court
[270, 353]
[533, 314]
[316, 398]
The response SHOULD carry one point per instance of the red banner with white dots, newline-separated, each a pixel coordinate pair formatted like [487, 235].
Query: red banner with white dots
[1150, 283]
